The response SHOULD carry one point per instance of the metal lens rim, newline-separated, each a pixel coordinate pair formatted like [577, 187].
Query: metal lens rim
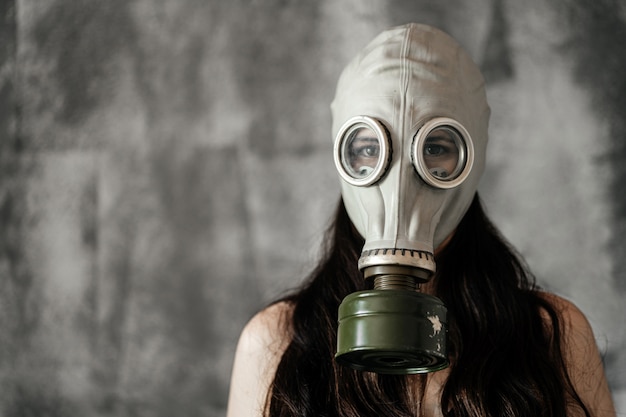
[385, 150]
[466, 153]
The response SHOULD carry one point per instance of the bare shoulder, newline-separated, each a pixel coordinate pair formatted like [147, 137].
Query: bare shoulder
[259, 350]
[583, 360]
[268, 331]
[571, 315]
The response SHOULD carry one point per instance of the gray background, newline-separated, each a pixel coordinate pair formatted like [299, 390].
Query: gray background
[165, 171]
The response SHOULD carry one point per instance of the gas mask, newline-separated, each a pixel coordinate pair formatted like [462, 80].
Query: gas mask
[410, 120]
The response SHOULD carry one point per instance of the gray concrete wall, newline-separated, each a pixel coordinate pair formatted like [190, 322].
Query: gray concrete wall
[165, 171]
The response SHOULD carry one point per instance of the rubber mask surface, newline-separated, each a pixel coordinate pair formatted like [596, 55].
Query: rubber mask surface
[412, 95]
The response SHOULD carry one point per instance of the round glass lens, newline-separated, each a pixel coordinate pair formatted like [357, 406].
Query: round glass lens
[361, 151]
[444, 153]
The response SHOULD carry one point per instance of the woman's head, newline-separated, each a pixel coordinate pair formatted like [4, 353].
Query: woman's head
[410, 123]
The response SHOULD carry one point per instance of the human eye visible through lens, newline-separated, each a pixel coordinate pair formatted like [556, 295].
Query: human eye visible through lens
[363, 152]
[441, 153]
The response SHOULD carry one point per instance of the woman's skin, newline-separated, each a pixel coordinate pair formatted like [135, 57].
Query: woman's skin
[267, 335]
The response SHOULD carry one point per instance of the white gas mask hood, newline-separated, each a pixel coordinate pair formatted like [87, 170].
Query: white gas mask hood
[410, 120]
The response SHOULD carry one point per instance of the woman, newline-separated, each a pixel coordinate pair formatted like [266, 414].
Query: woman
[410, 124]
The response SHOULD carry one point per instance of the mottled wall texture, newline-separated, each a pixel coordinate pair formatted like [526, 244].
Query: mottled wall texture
[165, 171]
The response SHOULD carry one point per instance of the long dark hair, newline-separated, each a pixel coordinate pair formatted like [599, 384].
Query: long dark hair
[506, 357]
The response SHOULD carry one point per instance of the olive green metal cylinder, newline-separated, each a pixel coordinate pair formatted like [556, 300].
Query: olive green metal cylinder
[392, 332]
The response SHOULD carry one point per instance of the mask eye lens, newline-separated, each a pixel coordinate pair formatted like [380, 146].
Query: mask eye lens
[442, 150]
[362, 151]
[442, 153]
